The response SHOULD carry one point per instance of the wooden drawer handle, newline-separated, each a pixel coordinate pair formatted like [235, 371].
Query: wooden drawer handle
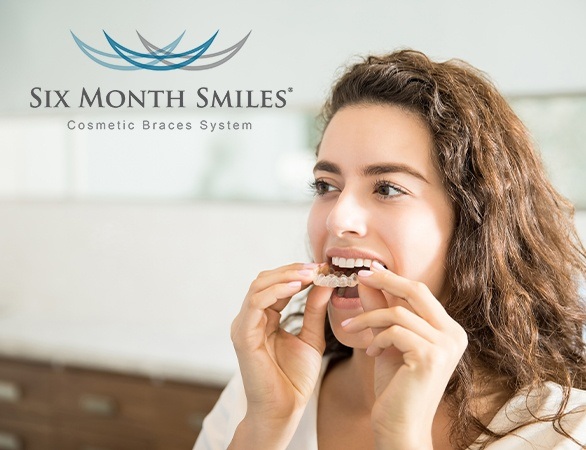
[10, 441]
[99, 405]
[10, 392]
[195, 420]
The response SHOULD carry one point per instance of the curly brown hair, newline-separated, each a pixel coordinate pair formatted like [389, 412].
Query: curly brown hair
[515, 260]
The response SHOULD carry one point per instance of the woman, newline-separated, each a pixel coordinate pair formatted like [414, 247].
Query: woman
[465, 329]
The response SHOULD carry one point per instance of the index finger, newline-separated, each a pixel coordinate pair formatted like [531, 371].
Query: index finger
[291, 272]
[415, 293]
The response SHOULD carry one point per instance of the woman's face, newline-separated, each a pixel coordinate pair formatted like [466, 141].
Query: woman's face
[379, 197]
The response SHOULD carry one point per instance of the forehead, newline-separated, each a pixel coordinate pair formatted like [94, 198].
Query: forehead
[367, 134]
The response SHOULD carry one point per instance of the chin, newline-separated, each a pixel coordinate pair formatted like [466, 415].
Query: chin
[353, 340]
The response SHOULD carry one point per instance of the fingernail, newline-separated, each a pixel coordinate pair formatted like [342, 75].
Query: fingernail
[305, 272]
[377, 265]
[346, 322]
[294, 284]
[370, 351]
[365, 273]
[310, 265]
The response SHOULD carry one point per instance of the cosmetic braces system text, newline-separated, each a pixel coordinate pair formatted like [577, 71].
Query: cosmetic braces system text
[153, 125]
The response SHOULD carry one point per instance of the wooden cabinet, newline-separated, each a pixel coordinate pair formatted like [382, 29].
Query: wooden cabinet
[65, 408]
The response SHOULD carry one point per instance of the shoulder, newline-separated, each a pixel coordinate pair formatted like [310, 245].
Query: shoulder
[549, 399]
[542, 434]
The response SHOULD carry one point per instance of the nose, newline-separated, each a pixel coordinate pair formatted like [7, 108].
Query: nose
[347, 217]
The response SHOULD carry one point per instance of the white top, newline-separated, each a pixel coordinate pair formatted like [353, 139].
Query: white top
[220, 424]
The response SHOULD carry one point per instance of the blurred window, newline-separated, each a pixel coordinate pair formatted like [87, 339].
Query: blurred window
[269, 158]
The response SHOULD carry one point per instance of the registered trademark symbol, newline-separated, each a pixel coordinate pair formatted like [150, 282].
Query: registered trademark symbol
[290, 89]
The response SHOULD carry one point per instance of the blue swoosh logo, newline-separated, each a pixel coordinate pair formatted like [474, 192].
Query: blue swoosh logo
[158, 58]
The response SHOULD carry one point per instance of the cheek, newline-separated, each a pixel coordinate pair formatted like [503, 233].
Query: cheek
[419, 245]
[317, 230]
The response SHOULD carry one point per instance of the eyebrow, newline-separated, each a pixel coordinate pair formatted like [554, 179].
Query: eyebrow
[371, 170]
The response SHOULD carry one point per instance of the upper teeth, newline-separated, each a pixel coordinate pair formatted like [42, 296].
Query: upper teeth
[351, 262]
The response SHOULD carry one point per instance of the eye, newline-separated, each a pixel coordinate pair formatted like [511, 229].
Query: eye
[321, 187]
[385, 189]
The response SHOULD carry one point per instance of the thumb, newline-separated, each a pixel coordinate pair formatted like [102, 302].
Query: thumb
[314, 317]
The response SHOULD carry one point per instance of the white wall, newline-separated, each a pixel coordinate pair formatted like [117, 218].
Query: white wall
[181, 265]
[144, 288]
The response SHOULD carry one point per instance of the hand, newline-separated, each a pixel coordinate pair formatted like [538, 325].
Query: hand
[279, 369]
[416, 346]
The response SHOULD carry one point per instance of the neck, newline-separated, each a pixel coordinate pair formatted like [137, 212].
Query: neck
[357, 373]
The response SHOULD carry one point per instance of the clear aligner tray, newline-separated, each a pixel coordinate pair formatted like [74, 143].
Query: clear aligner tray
[335, 280]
